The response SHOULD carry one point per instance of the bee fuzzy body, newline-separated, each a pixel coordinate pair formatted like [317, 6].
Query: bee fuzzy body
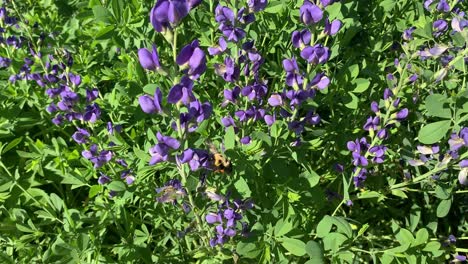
[221, 164]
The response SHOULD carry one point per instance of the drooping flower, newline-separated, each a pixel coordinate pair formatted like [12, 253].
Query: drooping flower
[221, 47]
[310, 13]
[181, 92]
[300, 39]
[81, 136]
[257, 5]
[160, 152]
[150, 104]
[317, 54]
[192, 59]
[333, 27]
[149, 60]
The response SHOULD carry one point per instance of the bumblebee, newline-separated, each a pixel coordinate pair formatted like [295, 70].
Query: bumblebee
[221, 164]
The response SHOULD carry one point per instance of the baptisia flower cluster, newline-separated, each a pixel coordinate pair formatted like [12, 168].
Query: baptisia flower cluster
[430, 157]
[314, 54]
[451, 21]
[368, 151]
[228, 219]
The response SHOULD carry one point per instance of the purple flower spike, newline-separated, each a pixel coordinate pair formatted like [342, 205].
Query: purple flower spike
[193, 58]
[151, 105]
[149, 60]
[333, 27]
[317, 54]
[293, 77]
[310, 13]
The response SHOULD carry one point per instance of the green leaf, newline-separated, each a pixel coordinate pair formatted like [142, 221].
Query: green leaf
[102, 14]
[294, 246]
[421, 237]
[282, 227]
[351, 101]
[117, 186]
[12, 144]
[324, 226]
[333, 241]
[432, 246]
[404, 236]
[150, 88]
[435, 106]
[434, 132]
[229, 138]
[444, 208]
[242, 187]
[314, 250]
[94, 190]
[248, 250]
[361, 85]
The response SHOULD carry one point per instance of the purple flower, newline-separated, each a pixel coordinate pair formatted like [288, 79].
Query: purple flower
[378, 152]
[457, 141]
[81, 136]
[220, 48]
[275, 100]
[462, 176]
[160, 151]
[97, 158]
[225, 17]
[91, 95]
[316, 54]
[439, 26]
[293, 76]
[149, 60]
[402, 114]
[4, 62]
[181, 92]
[229, 70]
[408, 33]
[310, 13]
[245, 140]
[360, 178]
[257, 5]
[231, 95]
[269, 119]
[326, 2]
[92, 113]
[333, 27]
[443, 6]
[167, 12]
[127, 176]
[319, 81]
[150, 104]
[227, 121]
[372, 123]
[301, 39]
[193, 58]
[356, 147]
[103, 179]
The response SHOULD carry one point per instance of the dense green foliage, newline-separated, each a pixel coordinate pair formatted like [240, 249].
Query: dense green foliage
[305, 191]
